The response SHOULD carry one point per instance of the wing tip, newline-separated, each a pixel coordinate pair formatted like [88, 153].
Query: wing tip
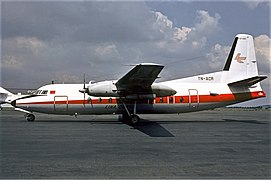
[149, 64]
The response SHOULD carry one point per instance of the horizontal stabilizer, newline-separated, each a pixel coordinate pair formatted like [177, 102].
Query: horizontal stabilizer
[248, 82]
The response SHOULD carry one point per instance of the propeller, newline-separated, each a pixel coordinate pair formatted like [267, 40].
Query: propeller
[84, 90]
[84, 87]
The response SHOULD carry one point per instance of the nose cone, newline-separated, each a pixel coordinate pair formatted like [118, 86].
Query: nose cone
[13, 103]
[173, 92]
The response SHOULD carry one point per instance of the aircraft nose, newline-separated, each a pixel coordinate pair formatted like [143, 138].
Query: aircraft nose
[13, 103]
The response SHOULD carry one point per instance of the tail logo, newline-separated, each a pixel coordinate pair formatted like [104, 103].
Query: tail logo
[239, 59]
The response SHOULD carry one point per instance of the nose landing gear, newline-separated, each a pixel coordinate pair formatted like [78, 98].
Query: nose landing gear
[30, 117]
[134, 119]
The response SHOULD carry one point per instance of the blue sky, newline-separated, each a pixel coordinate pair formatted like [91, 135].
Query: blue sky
[46, 40]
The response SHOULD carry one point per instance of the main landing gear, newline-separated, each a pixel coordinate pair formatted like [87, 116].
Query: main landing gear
[30, 117]
[132, 119]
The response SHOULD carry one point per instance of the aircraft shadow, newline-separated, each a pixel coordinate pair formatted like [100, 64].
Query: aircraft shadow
[244, 121]
[152, 129]
[79, 121]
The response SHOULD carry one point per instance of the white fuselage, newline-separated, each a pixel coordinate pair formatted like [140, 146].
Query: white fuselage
[193, 94]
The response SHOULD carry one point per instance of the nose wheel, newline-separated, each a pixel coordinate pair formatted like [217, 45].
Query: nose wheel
[30, 117]
[134, 119]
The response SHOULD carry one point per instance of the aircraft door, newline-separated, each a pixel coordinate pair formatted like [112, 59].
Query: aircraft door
[193, 98]
[61, 103]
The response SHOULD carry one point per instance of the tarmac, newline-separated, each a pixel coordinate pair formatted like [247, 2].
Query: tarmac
[209, 144]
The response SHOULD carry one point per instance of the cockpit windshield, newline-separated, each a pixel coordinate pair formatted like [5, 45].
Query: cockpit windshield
[41, 92]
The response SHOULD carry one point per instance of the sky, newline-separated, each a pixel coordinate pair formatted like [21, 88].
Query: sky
[61, 40]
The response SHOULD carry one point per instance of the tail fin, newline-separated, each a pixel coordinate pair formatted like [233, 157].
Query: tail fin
[4, 91]
[4, 95]
[241, 63]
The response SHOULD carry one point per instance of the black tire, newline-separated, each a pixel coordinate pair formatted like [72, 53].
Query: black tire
[30, 117]
[134, 119]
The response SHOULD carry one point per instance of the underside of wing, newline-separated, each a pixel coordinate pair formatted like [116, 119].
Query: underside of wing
[139, 79]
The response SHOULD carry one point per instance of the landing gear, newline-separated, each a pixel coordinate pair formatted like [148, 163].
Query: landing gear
[134, 119]
[30, 117]
[129, 118]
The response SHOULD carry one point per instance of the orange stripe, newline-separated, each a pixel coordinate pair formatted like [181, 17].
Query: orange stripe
[178, 99]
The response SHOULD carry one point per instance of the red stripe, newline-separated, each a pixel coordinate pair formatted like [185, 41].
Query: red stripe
[177, 99]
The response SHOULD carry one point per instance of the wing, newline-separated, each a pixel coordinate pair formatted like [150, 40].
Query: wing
[139, 79]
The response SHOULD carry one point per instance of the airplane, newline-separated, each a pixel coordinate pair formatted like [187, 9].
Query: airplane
[137, 93]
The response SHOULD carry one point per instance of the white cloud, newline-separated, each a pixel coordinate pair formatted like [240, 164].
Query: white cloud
[263, 55]
[11, 62]
[206, 24]
[67, 78]
[181, 33]
[181, 40]
[106, 51]
[163, 20]
[170, 33]
[27, 44]
[253, 4]
[262, 47]
[31, 43]
[218, 56]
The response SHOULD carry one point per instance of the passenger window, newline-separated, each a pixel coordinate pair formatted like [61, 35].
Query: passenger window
[89, 100]
[170, 99]
[161, 99]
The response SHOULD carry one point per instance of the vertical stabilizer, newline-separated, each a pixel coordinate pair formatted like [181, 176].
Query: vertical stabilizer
[4, 91]
[241, 62]
[5, 95]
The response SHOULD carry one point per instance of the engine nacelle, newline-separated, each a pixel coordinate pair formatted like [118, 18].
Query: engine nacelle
[103, 89]
[109, 89]
[162, 90]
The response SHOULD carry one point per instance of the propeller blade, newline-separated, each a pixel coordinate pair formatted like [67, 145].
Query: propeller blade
[84, 87]
[84, 98]
[84, 81]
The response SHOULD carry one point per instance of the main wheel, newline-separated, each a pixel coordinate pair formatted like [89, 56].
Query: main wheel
[30, 117]
[134, 119]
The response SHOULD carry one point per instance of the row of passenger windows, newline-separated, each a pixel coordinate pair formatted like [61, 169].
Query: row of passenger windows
[170, 100]
[158, 100]
[100, 100]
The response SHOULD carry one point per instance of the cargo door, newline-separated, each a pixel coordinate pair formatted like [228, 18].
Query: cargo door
[61, 103]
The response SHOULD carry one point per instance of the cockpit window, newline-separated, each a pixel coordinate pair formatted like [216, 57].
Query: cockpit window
[41, 92]
[44, 92]
[37, 92]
